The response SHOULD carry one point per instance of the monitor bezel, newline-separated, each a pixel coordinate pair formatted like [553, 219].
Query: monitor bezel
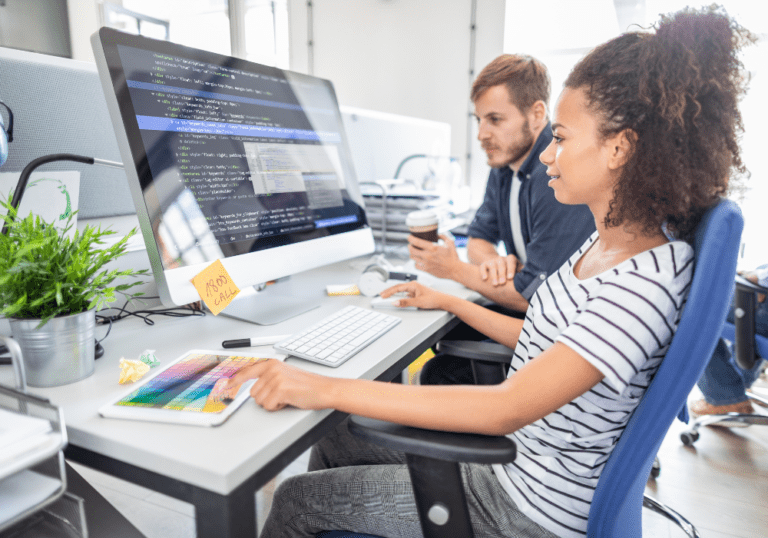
[250, 269]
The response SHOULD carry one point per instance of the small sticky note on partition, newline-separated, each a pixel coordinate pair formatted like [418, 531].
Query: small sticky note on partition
[215, 286]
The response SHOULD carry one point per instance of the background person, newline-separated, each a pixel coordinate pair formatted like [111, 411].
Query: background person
[511, 96]
[724, 383]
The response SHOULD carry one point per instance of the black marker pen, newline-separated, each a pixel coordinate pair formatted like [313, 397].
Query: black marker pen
[253, 342]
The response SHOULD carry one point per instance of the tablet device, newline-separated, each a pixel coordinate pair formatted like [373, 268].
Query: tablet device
[180, 393]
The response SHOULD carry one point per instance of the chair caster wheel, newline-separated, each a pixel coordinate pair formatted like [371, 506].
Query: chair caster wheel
[689, 437]
[655, 470]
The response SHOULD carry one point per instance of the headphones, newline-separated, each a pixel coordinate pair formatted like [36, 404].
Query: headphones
[375, 279]
[6, 135]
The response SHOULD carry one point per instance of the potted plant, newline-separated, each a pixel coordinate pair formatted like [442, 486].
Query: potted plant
[51, 285]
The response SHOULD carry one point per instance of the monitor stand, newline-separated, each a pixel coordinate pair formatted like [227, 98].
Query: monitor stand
[273, 304]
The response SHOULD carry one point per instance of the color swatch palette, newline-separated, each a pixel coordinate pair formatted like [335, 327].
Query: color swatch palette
[186, 385]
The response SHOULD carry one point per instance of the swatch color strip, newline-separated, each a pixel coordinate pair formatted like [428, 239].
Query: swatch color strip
[186, 385]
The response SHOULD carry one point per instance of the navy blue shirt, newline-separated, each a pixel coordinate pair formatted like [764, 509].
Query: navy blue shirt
[551, 231]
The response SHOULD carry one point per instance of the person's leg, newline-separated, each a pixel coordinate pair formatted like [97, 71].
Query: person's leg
[724, 384]
[721, 383]
[370, 499]
[350, 485]
[761, 328]
[492, 512]
[761, 319]
[379, 500]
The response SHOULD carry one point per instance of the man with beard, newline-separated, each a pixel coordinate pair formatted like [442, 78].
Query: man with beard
[539, 234]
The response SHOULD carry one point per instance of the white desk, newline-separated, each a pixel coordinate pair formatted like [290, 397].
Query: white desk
[219, 469]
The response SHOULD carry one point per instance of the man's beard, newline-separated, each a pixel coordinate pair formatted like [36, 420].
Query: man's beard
[520, 147]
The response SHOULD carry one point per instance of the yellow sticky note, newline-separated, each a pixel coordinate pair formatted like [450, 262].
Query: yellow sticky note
[215, 286]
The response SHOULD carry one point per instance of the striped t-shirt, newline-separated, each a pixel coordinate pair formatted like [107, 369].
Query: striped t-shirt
[622, 322]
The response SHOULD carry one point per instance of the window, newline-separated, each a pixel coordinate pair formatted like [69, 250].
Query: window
[266, 32]
[132, 22]
[262, 35]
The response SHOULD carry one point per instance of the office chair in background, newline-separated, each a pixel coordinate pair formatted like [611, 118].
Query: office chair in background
[616, 508]
[749, 348]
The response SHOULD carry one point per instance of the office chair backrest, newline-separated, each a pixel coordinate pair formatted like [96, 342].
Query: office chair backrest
[617, 503]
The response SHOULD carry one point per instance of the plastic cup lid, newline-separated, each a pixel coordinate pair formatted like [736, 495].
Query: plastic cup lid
[421, 218]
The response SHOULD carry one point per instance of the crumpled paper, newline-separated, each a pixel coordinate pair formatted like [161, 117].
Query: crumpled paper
[131, 371]
[148, 358]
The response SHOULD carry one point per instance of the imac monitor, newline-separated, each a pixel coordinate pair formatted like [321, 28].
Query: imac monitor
[232, 160]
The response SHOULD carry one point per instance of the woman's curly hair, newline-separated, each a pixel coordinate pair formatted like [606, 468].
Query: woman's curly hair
[677, 92]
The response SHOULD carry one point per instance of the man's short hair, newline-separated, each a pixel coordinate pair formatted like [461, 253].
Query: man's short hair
[526, 79]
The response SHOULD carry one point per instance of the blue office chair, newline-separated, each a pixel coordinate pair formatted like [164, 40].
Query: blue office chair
[749, 347]
[619, 497]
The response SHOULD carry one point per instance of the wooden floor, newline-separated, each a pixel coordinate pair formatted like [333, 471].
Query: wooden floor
[720, 485]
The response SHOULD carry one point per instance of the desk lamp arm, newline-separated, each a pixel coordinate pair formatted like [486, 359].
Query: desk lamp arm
[21, 186]
[421, 156]
[384, 194]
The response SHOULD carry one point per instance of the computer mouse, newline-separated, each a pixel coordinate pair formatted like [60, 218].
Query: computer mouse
[389, 302]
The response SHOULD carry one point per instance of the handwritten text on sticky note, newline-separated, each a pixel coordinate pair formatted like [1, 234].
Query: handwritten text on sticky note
[215, 286]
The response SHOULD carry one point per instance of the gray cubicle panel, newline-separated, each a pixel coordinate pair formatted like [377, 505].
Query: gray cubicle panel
[59, 107]
[379, 141]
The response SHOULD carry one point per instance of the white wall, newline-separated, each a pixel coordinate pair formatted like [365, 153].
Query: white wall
[402, 57]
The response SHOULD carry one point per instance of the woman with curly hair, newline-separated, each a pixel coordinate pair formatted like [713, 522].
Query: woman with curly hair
[645, 134]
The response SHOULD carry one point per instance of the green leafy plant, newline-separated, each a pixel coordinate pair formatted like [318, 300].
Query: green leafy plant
[44, 273]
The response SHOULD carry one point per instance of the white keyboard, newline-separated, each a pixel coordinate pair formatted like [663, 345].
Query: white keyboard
[339, 336]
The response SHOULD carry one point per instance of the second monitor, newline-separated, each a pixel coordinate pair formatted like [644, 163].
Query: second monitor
[231, 160]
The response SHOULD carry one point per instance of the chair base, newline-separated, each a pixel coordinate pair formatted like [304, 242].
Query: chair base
[757, 398]
[691, 435]
[656, 468]
[685, 525]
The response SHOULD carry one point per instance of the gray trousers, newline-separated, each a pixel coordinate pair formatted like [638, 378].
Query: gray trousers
[356, 486]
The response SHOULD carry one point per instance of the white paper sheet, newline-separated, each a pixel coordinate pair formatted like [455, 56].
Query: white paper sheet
[52, 195]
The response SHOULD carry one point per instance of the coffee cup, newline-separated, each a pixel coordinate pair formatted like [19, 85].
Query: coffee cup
[423, 224]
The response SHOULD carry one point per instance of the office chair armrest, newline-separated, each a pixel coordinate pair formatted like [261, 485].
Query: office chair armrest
[446, 446]
[470, 349]
[742, 284]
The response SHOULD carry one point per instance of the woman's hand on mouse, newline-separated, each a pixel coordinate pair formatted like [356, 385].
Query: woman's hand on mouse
[417, 295]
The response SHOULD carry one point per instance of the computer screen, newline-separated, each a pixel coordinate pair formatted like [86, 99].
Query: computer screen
[230, 160]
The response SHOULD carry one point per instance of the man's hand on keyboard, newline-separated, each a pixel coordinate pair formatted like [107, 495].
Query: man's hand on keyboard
[418, 295]
[278, 385]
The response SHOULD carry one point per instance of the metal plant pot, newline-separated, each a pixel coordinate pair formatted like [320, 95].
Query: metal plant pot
[59, 352]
